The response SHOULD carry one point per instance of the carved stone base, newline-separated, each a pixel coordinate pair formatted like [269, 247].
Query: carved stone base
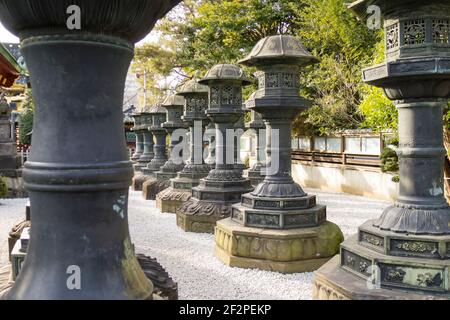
[169, 200]
[285, 251]
[331, 282]
[201, 217]
[152, 187]
[414, 263]
[139, 166]
[138, 181]
[255, 176]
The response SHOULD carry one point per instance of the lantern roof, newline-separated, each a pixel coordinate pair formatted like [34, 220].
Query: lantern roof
[173, 100]
[192, 86]
[282, 49]
[146, 109]
[225, 72]
[158, 109]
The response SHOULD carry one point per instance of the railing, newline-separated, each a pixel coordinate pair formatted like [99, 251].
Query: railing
[364, 160]
[23, 152]
[362, 150]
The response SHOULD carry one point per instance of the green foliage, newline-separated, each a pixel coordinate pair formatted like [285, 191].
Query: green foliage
[344, 46]
[158, 61]
[447, 118]
[379, 112]
[3, 187]
[222, 31]
[389, 158]
[26, 119]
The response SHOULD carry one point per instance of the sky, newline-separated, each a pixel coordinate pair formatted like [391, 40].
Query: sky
[5, 36]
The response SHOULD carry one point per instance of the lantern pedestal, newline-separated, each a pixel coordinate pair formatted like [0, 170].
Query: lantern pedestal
[331, 282]
[291, 250]
[180, 189]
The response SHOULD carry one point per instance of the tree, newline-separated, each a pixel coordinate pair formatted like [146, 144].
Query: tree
[155, 62]
[213, 32]
[344, 46]
[202, 33]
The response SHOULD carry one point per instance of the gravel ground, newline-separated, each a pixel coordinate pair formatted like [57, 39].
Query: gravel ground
[189, 257]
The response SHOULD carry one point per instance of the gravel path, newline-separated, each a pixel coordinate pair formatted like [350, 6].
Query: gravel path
[189, 257]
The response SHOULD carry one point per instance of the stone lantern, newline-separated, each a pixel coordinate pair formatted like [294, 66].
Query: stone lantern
[174, 106]
[196, 103]
[157, 116]
[147, 140]
[406, 252]
[9, 160]
[255, 173]
[212, 198]
[139, 138]
[79, 171]
[278, 213]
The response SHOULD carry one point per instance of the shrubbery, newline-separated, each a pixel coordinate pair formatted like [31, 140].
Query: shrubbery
[26, 119]
[389, 158]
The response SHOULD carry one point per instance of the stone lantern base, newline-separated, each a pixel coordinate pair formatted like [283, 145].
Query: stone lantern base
[284, 250]
[331, 282]
[211, 201]
[170, 199]
[152, 187]
[255, 176]
[139, 179]
[405, 266]
[180, 190]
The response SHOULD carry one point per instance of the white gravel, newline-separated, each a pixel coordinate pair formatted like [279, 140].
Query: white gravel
[189, 257]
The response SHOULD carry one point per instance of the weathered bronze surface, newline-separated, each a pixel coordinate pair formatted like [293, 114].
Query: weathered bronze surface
[79, 171]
